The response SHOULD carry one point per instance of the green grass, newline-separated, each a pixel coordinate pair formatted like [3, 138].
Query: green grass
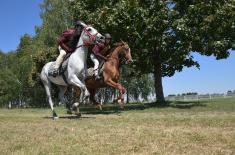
[206, 127]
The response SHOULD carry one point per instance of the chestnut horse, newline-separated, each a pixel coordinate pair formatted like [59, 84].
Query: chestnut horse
[110, 73]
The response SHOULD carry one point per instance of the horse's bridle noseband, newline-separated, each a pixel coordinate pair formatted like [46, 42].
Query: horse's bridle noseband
[91, 37]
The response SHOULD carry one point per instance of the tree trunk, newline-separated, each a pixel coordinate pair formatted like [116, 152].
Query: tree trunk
[158, 77]
[127, 96]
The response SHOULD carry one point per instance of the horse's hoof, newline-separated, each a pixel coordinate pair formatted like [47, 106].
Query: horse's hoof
[55, 118]
[114, 101]
[54, 115]
[78, 114]
[121, 103]
[99, 106]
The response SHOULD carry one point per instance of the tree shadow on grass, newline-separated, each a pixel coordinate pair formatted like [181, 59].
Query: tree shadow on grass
[109, 109]
[115, 109]
[70, 117]
[187, 104]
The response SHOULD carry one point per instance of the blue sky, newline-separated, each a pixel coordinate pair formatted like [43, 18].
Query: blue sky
[20, 16]
[213, 77]
[17, 18]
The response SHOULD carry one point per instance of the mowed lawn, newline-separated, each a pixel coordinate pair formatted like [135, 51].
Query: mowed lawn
[207, 127]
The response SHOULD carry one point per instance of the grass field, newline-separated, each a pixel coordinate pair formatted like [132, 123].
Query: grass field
[182, 128]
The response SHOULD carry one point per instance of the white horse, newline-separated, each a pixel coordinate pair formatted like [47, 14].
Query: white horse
[76, 72]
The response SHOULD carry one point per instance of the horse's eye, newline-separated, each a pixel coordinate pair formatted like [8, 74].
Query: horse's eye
[89, 29]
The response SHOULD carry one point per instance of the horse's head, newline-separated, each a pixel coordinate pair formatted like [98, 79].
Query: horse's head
[126, 51]
[90, 35]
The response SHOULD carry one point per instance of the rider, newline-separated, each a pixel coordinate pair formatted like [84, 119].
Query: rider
[67, 44]
[99, 52]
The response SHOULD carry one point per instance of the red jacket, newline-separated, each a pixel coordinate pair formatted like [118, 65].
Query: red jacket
[97, 48]
[65, 38]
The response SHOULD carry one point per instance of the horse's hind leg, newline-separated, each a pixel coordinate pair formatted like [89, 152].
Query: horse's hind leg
[63, 89]
[61, 94]
[47, 85]
[92, 99]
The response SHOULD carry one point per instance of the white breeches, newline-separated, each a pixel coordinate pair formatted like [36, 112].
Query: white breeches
[60, 57]
[96, 63]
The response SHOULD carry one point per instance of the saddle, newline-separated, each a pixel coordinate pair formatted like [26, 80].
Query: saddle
[62, 67]
[64, 64]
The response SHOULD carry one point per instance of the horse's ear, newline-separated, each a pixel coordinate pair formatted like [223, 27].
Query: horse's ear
[83, 24]
[122, 41]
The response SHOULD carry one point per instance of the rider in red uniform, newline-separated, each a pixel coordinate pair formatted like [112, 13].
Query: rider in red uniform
[99, 51]
[67, 44]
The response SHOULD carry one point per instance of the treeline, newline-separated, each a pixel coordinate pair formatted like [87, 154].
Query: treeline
[162, 36]
[183, 94]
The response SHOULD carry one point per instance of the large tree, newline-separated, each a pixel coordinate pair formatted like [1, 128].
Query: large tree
[164, 33]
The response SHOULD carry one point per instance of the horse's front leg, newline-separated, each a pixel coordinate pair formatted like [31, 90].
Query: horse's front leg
[75, 100]
[80, 84]
[120, 88]
[92, 99]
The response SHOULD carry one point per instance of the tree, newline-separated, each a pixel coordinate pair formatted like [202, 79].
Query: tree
[56, 18]
[162, 33]
[10, 84]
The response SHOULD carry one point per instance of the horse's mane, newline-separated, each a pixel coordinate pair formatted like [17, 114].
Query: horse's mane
[75, 38]
[115, 45]
[118, 44]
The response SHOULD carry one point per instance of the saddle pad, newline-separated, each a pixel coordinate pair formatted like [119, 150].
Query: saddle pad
[90, 71]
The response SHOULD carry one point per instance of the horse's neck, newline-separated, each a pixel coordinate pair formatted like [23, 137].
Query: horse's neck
[81, 50]
[115, 55]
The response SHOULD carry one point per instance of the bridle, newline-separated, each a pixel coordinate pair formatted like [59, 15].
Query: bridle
[125, 52]
[91, 37]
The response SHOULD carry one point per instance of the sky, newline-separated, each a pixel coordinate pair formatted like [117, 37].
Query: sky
[21, 16]
[214, 76]
[17, 17]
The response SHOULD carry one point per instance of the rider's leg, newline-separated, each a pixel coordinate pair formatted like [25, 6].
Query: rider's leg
[60, 58]
[96, 65]
[55, 70]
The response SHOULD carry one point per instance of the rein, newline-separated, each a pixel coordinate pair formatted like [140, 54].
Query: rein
[91, 38]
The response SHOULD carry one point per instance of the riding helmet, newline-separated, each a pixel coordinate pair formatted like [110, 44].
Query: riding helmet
[107, 36]
[78, 23]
